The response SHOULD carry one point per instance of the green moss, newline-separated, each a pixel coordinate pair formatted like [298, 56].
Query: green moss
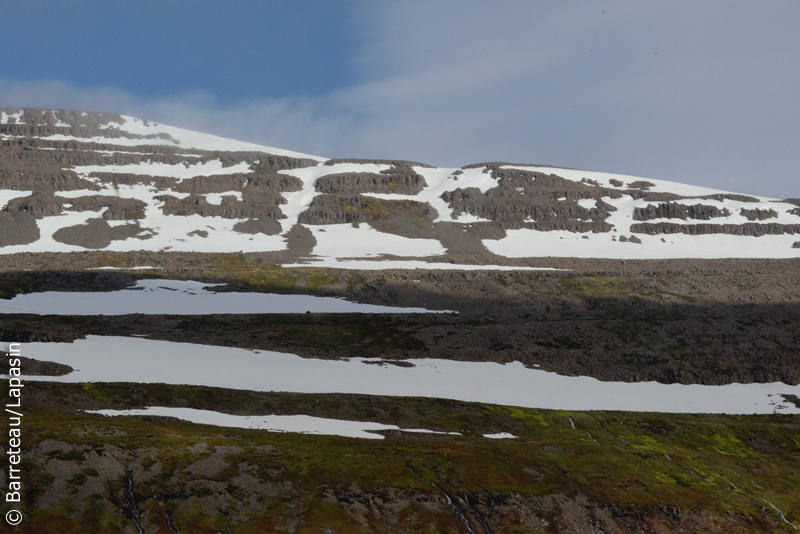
[646, 461]
[15, 283]
[91, 390]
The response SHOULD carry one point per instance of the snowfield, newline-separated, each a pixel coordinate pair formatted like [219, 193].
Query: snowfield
[302, 424]
[177, 297]
[129, 359]
[342, 245]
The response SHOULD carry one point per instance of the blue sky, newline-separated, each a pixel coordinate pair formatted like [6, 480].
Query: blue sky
[155, 49]
[696, 92]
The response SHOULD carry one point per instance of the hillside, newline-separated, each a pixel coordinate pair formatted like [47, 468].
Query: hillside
[218, 336]
[72, 181]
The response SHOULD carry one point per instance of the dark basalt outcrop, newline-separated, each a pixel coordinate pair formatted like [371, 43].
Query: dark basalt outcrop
[37, 123]
[673, 210]
[44, 152]
[631, 239]
[259, 162]
[229, 208]
[251, 185]
[18, 175]
[41, 204]
[746, 229]
[300, 240]
[17, 229]
[86, 122]
[38, 205]
[465, 242]
[337, 209]
[43, 130]
[400, 180]
[117, 208]
[126, 179]
[267, 226]
[663, 196]
[729, 196]
[74, 118]
[653, 196]
[97, 233]
[758, 214]
[529, 199]
[641, 184]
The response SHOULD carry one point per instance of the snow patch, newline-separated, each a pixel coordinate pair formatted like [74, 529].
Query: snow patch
[177, 297]
[128, 359]
[180, 170]
[298, 424]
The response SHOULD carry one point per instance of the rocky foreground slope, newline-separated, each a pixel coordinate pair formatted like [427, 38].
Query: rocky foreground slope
[73, 181]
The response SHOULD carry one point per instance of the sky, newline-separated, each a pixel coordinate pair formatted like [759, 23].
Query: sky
[704, 93]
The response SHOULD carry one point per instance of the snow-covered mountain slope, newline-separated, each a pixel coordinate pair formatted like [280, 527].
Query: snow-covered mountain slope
[72, 181]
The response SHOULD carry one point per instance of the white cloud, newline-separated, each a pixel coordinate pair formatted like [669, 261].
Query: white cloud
[697, 92]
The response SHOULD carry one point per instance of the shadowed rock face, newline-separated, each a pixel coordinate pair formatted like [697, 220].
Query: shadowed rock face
[97, 233]
[672, 210]
[747, 229]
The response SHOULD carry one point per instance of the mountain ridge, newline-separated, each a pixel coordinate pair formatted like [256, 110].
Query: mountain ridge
[72, 181]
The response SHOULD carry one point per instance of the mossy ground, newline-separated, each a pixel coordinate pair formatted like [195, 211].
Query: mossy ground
[627, 461]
